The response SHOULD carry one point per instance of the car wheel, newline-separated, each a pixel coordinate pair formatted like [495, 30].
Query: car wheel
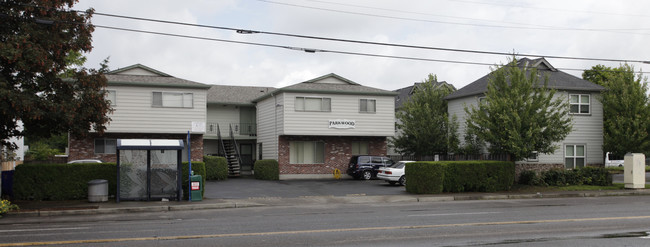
[402, 180]
[391, 182]
[367, 175]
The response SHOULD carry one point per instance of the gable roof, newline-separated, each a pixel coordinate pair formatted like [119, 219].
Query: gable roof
[404, 94]
[319, 85]
[556, 79]
[121, 77]
[235, 95]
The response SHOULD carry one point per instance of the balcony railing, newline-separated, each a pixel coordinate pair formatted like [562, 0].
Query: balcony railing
[239, 129]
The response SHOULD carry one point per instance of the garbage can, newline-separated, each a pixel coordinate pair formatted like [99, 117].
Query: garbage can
[98, 190]
[196, 188]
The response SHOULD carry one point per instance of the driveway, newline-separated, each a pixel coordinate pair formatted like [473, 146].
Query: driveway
[243, 188]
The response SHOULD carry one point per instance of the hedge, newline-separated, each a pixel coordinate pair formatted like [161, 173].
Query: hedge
[267, 170]
[459, 176]
[70, 181]
[216, 167]
[61, 181]
[424, 177]
[559, 177]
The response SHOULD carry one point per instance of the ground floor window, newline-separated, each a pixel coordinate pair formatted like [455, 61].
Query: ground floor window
[360, 147]
[105, 146]
[574, 156]
[307, 152]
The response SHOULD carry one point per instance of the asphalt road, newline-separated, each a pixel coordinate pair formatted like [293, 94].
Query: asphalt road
[599, 221]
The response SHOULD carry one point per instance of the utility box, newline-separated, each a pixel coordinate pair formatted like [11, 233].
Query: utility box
[634, 171]
[196, 187]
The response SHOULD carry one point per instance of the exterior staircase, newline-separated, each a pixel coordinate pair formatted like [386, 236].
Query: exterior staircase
[230, 151]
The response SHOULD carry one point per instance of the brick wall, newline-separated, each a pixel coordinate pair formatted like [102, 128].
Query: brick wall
[84, 148]
[337, 153]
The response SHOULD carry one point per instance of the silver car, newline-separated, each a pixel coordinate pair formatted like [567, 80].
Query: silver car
[394, 174]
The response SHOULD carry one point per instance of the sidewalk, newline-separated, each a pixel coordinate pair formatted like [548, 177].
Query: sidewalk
[60, 208]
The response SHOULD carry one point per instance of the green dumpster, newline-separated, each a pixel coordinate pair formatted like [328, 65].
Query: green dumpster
[196, 187]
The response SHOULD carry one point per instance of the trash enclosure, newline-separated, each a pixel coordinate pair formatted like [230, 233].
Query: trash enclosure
[149, 169]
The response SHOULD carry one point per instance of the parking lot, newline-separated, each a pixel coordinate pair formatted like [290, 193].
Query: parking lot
[241, 188]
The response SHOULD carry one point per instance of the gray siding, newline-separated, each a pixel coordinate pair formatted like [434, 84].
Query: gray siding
[134, 112]
[267, 129]
[381, 123]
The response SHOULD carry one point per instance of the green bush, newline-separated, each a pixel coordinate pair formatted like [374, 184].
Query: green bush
[459, 176]
[61, 181]
[529, 177]
[584, 176]
[267, 170]
[198, 167]
[216, 168]
[424, 177]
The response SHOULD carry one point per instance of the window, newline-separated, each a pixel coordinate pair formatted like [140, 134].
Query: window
[313, 104]
[105, 146]
[579, 103]
[111, 96]
[307, 152]
[574, 156]
[368, 105]
[360, 147]
[533, 156]
[170, 99]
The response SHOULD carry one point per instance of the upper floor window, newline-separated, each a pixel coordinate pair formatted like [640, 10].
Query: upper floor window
[105, 146]
[368, 105]
[173, 99]
[313, 104]
[111, 96]
[579, 103]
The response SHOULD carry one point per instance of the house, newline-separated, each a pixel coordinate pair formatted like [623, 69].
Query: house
[314, 127]
[582, 147]
[231, 130]
[147, 104]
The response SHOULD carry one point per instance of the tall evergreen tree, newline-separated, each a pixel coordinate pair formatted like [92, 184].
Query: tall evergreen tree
[519, 114]
[423, 120]
[625, 107]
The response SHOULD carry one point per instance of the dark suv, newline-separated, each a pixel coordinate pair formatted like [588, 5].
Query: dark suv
[365, 166]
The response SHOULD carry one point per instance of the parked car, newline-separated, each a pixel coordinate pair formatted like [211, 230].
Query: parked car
[394, 173]
[365, 166]
[85, 161]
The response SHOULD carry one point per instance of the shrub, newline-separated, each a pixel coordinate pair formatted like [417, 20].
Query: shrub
[267, 170]
[529, 177]
[216, 168]
[424, 177]
[60, 181]
[6, 206]
[584, 176]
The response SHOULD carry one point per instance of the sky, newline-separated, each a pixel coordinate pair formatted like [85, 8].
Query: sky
[610, 30]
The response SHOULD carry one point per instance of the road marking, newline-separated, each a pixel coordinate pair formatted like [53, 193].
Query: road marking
[44, 229]
[429, 215]
[383, 228]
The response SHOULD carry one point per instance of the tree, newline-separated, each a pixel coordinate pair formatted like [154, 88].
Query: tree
[37, 40]
[625, 108]
[519, 114]
[424, 123]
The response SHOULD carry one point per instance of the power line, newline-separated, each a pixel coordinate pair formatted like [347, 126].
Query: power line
[245, 31]
[617, 30]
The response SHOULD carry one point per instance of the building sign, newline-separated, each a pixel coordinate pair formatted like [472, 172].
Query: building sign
[198, 127]
[342, 124]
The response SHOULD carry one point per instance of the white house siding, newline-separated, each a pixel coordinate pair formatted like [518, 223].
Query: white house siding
[269, 122]
[381, 123]
[587, 129]
[223, 115]
[134, 112]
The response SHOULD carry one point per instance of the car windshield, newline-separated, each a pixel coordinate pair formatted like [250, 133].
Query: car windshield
[397, 165]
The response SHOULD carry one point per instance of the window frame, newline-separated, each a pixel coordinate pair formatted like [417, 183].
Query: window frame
[575, 155]
[580, 104]
[536, 157]
[104, 141]
[359, 144]
[324, 101]
[315, 148]
[366, 100]
[162, 99]
[111, 95]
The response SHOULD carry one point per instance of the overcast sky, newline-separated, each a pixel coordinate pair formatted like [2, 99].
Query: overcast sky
[591, 28]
